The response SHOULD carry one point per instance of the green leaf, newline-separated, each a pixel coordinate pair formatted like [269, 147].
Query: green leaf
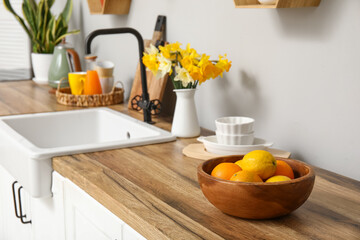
[59, 26]
[33, 5]
[66, 34]
[53, 29]
[50, 3]
[51, 47]
[50, 28]
[66, 13]
[47, 36]
[28, 14]
[9, 7]
[45, 21]
[40, 14]
[18, 18]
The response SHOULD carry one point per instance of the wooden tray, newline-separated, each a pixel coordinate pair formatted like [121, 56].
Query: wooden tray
[197, 150]
[64, 96]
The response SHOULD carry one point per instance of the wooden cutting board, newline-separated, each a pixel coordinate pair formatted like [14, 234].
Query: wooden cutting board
[156, 87]
[198, 151]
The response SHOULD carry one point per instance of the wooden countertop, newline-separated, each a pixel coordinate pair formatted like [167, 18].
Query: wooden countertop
[154, 188]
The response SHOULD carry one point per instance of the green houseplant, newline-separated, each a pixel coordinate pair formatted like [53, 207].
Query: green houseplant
[45, 31]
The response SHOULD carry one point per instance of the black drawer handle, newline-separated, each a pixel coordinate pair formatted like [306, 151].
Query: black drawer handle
[21, 215]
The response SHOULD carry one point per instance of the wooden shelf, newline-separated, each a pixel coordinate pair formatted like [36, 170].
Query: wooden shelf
[278, 4]
[109, 6]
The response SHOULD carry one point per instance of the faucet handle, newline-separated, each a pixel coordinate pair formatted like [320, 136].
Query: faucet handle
[138, 104]
[155, 107]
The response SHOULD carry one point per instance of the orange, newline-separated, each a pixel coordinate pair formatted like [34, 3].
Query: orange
[284, 169]
[245, 176]
[260, 162]
[278, 179]
[225, 170]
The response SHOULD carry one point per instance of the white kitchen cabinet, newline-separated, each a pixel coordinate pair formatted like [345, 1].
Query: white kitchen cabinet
[11, 227]
[48, 213]
[69, 214]
[85, 218]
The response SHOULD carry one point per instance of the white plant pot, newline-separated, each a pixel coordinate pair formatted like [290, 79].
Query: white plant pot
[41, 64]
[185, 122]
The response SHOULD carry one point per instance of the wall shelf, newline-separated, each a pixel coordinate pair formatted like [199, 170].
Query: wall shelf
[109, 6]
[278, 4]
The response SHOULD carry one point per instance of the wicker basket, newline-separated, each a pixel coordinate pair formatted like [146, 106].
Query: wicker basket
[116, 96]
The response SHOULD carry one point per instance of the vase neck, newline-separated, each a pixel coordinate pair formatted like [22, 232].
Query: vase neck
[185, 93]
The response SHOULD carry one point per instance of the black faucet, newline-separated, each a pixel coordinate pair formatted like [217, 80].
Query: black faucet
[145, 102]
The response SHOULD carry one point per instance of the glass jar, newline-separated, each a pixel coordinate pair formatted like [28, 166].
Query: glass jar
[90, 62]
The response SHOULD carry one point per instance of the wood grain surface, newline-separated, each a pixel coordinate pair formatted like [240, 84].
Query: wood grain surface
[154, 188]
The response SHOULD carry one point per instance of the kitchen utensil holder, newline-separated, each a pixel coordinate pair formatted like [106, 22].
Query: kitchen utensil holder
[64, 96]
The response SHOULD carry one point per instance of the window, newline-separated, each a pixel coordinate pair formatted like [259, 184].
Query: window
[15, 47]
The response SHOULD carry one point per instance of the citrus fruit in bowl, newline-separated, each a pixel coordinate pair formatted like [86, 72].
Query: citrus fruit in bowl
[248, 197]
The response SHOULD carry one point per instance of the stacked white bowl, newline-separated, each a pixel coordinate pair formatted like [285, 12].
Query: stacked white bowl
[235, 130]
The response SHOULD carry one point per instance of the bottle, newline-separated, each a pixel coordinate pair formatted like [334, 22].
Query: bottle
[90, 62]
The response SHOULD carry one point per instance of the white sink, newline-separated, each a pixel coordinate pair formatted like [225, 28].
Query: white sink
[29, 141]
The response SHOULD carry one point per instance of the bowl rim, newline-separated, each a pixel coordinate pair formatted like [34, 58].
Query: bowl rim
[310, 174]
[249, 120]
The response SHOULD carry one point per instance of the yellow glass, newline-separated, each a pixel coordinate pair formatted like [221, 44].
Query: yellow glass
[76, 81]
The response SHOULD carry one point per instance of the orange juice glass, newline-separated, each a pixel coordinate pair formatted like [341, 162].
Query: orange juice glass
[92, 83]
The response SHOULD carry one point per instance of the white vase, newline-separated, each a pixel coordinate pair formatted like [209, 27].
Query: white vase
[185, 122]
[41, 64]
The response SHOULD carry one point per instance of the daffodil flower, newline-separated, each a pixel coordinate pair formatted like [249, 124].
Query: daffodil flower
[152, 50]
[183, 75]
[191, 68]
[164, 66]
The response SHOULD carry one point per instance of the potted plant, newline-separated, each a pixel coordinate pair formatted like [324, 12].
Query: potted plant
[44, 30]
[187, 69]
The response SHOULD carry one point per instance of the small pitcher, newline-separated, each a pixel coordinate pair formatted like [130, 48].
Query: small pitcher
[65, 60]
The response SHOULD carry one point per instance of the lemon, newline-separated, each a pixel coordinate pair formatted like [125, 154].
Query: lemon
[260, 162]
[278, 178]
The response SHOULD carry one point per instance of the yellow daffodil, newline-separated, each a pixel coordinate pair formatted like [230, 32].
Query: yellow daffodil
[196, 74]
[190, 52]
[174, 47]
[186, 62]
[169, 51]
[152, 50]
[208, 70]
[165, 51]
[223, 64]
[183, 75]
[164, 66]
[204, 60]
[190, 67]
[150, 61]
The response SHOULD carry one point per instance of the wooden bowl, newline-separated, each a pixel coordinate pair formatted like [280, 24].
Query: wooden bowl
[256, 200]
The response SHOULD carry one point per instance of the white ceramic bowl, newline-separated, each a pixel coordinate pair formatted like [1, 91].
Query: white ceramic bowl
[239, 139]
[235, 125]
[212, 146]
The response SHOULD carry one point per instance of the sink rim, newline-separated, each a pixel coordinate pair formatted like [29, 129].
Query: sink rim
[44, 153]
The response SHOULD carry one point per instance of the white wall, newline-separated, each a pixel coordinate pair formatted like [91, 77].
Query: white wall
[296, 71]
